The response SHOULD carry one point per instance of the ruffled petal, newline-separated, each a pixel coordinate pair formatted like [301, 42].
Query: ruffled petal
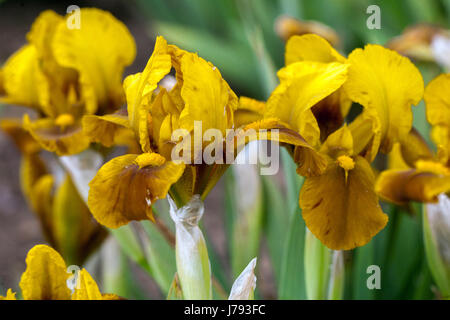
[309, 162]
[339, 143]
[125, 187]
[165, 117]
[303, 84]
[206, 95]
[99, 50]
[366, 136]
[311, 47]
[340, 209]
[105, 129]
[61, 80]
[422, 185]
[248, 111]
[438, 114]
[386, 85]
[24, 82]
[46, 275]
[87, 288]
[139, 88]
[437, 100]
[329, 112]
[415, 148]
[41, 35]
[54, 138]
[395, 158]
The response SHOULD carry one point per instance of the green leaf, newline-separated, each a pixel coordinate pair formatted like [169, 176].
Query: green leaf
[363, 257]
[424, 11]
[403, 255]
[275, 225]
[337, 276]
[292, 278]
[292, 283]
[317, 267]
[291, 8]
[220, 280]
[127, 240]
[292, 179]
[255, 36]
[175, 292]
[117, 276]
[440, 274]
[423, 284]
[160, 256]
[248, 217]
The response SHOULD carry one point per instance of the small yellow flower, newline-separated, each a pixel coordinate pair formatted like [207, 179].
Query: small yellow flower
[45, 278]
[64, 73]
[9, 295]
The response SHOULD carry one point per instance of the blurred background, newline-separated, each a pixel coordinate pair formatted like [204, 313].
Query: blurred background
[245, 40]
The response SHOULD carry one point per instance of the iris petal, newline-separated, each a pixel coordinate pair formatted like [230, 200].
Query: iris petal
[342, 210]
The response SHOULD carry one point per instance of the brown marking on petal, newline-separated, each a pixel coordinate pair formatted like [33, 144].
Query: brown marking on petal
[317, 204]
[328, 115]
[122, 192]
[349, 214]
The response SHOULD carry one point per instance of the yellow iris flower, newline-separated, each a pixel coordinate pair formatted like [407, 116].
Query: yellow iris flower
[65, 73]
[426, 176]
[125, 188]
[317, 86]
[45, 278]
